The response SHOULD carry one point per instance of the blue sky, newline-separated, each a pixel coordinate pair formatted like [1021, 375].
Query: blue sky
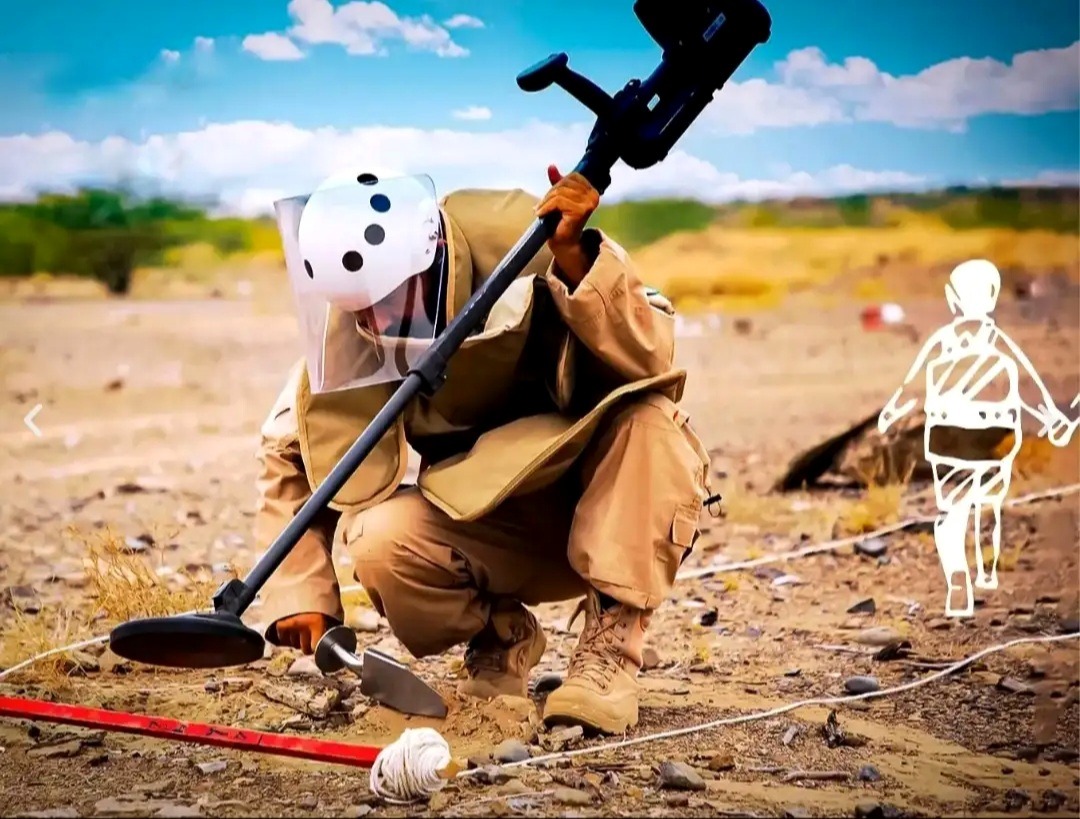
[196, 97]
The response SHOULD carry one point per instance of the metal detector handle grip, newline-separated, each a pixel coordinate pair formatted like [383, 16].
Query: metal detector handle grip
[555, 70]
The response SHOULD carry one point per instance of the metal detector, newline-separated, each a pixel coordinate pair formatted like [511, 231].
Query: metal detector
[703, 42]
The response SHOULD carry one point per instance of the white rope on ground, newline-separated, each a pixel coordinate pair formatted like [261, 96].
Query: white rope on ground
[93, 641]
[783, 709]
[408, 770]
[833, 545]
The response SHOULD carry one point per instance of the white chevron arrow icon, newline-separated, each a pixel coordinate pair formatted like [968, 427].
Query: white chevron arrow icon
[29, 420]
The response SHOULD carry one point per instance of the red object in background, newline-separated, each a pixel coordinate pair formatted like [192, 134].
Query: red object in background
[319, 750]
[871, 318]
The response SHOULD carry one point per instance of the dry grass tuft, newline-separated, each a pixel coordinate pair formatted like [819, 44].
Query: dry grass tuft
[125, 585]
[879, 506]
[30, 636]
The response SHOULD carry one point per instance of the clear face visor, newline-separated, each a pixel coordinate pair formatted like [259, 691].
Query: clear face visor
[367, 261]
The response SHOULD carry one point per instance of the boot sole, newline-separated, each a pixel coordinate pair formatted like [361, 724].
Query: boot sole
[570, 715]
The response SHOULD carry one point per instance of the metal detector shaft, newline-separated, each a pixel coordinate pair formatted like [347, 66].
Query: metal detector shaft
[427, 375]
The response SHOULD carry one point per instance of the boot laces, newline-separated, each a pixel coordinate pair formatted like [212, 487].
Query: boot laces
[597, 657]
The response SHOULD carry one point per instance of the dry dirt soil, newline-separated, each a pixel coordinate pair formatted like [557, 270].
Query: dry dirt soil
[149, 420]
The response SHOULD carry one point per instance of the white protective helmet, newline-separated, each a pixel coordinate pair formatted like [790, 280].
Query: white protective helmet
[356, 249]
[361, 238]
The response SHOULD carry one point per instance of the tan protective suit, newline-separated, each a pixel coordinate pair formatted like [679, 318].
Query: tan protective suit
[554, 457]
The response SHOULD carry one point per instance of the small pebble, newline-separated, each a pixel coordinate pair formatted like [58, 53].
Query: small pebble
[510, 750]
[1016, 798]
[1012, 685]
[571, 796]
[23, 599]
[787, 580]
[677, 800]
[363, 620]
[649, 658]
[304, 667]
[939, 624]
[721, 762]
[217, 766]
[868, 773]
[1052, 800]
[867, 606]
[514, 787]
[872, 547]
[680, 776]
[877, 636]
[861, 685]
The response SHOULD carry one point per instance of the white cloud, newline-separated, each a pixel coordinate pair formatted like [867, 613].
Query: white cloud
[464, 21]
[361, 28]
[170, 56]
[272, 46]
[1048, 179]
[473, 112]
[811, 91]
[204, 43]
[249, 164]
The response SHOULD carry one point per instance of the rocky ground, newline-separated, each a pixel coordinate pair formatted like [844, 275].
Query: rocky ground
[149, 423]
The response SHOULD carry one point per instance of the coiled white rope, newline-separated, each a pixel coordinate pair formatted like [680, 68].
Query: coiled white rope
[410, 769]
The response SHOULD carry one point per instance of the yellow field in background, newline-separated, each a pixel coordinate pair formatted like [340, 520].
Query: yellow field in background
[736, 268]
[758, 267]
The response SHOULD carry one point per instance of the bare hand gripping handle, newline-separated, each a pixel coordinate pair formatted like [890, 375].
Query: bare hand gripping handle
[703, 42]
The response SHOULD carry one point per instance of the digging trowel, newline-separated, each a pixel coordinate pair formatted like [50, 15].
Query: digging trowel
[382, 678]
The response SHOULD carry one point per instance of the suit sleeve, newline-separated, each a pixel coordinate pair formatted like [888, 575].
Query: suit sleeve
[306, 580]
[622, 322]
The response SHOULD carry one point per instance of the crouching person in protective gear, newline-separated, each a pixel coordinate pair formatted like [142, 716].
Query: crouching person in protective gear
[555, 462]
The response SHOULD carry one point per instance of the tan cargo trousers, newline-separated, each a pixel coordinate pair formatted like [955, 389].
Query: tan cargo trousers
[621, 522]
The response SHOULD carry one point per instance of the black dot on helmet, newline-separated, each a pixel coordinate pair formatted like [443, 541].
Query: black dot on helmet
[307, 267]
[367, 179]
[380, 203]
[352, 261]
[374, 234]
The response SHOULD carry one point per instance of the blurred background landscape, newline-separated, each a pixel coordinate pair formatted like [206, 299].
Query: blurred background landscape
[702, 256]
[804, 229]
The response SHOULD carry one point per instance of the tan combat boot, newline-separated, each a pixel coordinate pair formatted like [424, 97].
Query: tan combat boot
[498, 659]
[600, 692]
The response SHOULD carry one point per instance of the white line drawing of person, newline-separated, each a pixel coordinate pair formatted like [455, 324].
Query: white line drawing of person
[972, 387]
